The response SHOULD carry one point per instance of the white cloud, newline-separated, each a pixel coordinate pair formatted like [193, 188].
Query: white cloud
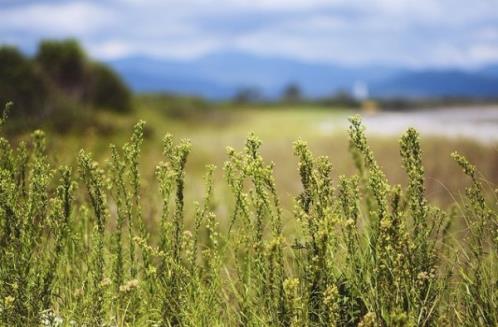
[183, 49]
[484, 53]
[409, 32]
[282, 5]
[220, 5]
[110, 49]
[487, 33]
[76, 18]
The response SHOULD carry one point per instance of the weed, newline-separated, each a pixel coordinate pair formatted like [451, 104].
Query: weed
[77, 249]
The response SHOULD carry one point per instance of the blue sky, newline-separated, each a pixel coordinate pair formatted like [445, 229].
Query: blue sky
[423, 33]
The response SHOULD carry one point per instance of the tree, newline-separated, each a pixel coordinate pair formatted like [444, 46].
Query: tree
[247, 95]
[55, 83]
[22, 83]
[67, 66]
[291, 93]
[64, 63]
[106, 89]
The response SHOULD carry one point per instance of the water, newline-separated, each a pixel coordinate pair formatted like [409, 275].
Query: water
[479, 123]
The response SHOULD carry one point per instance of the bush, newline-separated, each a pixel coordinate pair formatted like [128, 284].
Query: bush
[87, 248]
[247, 95]
[64, 63]
[189, 108]
[292, 93]
[59, 78]
[106, 89]
[22, 83]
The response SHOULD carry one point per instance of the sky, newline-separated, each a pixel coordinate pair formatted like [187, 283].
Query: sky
[411, 33]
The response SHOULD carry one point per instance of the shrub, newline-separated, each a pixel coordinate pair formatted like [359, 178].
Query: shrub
[106, 90]
[22, 83]
[77, 248]
[64, 63]
[292, 93]
[58, 86]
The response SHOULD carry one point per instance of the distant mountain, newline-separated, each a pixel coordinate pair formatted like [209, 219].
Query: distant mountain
[271, 75]
[151, 75]
[220, 75]
[490, 71]
[439, 83]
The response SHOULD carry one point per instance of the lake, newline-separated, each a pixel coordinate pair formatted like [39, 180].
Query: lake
[479, 123]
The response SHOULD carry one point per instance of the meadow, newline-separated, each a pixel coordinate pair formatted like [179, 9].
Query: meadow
[211, 128]
[249, 217]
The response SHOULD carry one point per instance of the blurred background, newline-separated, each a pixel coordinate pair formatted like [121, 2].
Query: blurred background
[213, 71]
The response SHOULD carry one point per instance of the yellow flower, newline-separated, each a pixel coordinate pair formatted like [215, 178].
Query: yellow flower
[105, 282]
[423, 275]
[349, 222]
[385, 223]
[368, 320]
[151, 271]
[129, 286]
[9, 300]
[78, 292]
[291, 285]
[330, 295]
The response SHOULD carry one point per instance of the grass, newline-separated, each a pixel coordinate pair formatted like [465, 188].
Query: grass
[278, 126]
[120, 241]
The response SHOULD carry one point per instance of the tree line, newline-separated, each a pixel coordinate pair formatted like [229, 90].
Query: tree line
[57, 79]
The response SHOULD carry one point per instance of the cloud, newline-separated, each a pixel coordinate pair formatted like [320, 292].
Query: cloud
[404, 32]
[180, 49]
[111, 49]
[76, 18]
[484, 53]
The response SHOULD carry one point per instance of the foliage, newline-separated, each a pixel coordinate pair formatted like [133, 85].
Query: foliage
[59, 77]
[291, 93]
[247, 95]
[90, 247]
[22, 83]
[106, 89]
[63, 62]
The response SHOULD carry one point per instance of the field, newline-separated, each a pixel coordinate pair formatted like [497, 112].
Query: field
[290, 227]
[211, 130]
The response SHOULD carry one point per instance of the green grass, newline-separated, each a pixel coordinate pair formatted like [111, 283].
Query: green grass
[211, 129]
[274, 234]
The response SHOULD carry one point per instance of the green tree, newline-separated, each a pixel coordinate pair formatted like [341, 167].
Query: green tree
[292, 93]
[106, 89]
[64, 63]
[22, 83]
[247, 95]
[54, 85]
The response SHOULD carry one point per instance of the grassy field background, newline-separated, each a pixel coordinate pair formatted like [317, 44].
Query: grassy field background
[211, 129]
[272, 229]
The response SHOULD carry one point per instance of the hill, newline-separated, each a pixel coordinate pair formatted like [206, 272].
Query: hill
[220, 75]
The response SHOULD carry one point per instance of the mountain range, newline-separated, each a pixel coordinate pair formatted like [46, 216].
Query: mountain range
[221, 75]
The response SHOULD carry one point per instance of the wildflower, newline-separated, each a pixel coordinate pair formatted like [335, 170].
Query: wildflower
[8, 301]
[331, 301]
[129, 286]
[275, 243]
[151, 271]
[368, 320]
[105, 282]
[385, 223]
[291, 285]
[78, 292]
[138, 240]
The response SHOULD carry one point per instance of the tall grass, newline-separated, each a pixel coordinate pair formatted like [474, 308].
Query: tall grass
[97, 246]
